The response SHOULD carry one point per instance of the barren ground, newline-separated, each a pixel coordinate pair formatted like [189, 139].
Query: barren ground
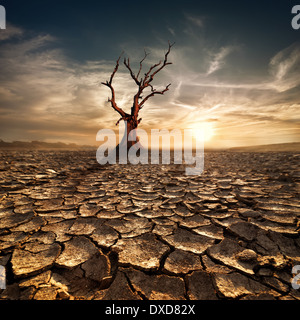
[71, 229]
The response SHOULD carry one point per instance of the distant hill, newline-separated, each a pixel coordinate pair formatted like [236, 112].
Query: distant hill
[279, 147]
[39, 145]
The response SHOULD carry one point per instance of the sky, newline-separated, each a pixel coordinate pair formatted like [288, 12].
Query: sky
[235, 68]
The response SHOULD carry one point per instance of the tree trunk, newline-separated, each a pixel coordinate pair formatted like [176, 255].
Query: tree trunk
[130, 138]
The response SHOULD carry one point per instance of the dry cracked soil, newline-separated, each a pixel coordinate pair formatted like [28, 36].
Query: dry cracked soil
[72, 229]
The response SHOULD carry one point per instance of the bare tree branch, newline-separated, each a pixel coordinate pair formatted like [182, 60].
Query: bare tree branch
[141, 63]
[154, 92]
[142, 84]
[146, 82]
[127, 64]
[165, 63]
[147, 74]
[113, 96]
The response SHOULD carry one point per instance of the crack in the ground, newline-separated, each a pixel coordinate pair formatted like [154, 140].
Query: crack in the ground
[218, 195]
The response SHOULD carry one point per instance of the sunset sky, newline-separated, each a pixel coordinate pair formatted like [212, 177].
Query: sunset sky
[235, 71]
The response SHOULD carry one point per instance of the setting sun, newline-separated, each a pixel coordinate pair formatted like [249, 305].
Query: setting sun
[203, 131]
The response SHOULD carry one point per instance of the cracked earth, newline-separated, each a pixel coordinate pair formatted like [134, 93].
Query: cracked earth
[72, 229]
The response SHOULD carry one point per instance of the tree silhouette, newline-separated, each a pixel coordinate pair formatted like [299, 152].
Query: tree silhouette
[132, 119]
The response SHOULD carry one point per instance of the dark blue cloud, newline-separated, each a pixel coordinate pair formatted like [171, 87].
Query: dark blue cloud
[93, 29]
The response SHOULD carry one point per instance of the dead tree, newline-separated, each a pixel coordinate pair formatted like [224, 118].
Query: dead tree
[132, 119]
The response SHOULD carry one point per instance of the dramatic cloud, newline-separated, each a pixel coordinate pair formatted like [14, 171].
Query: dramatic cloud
[285, 67]
[45, 95]
[219, 59]
[10, 32]
[197, 21]
[42, 92]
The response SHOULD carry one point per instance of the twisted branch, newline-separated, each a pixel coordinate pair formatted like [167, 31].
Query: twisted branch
[113, 96]
[142, 84]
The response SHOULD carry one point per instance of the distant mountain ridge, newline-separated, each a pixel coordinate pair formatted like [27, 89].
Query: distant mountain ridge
[40, 145]
[278, 147]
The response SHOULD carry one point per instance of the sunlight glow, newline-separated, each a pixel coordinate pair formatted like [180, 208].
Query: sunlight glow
[203, 130]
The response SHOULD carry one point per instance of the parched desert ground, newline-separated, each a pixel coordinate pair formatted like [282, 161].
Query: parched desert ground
[72, 229]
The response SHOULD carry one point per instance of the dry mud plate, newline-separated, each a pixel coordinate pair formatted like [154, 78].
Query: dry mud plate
[72, 229]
